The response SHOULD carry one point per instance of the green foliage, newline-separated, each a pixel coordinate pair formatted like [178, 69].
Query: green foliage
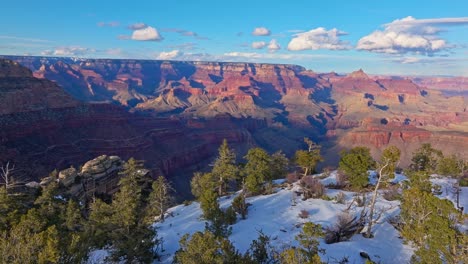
[159, 200]
[419, 180]
[279, 165]
[426, 158]
[260, 250]
[355, 163]
[429, 222]
[230, 216]
[309, 250]
[206, 248]
[257, 169]
[209, 204]
[391, 157]
[308, 159]
[450, 166]
[201, 182]
[224, 168]
[240, 206]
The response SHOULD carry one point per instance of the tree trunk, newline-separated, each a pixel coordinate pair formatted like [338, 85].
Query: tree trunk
[374, 197]
[220, 187]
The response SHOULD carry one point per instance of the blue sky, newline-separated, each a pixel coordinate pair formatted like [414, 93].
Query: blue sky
[381, 37]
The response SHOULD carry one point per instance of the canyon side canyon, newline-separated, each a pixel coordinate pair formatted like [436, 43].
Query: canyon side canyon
[62, 112]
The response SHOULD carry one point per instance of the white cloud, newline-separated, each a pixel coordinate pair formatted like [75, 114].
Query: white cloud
[258, 44]
[68, 51]
[410, 35]
[318, 38]
[146, 34]
[137, 26]
[169, 55]
[261, 31]
[273, 45]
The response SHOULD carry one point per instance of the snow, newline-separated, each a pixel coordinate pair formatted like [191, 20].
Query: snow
[448, 191]
[276, 216]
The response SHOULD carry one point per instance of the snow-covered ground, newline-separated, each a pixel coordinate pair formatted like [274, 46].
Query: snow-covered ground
[276, 216]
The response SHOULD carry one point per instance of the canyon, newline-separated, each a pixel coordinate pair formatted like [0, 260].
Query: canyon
[65, 111]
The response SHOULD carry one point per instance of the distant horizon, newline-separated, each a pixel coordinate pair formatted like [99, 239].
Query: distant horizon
[401, 38]
[371, 74]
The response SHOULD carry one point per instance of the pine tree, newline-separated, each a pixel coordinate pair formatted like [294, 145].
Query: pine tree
[132, 238]
[160, 199]
[257, 169]
[50, 246]
[100, 224]
[355, 163]
[206, 248]
[224, 168]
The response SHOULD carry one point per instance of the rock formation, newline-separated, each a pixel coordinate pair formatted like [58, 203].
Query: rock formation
[180, 108]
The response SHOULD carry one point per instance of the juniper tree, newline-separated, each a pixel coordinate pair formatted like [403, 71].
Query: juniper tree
[355, 163]
[308, 159]
[257, 170]
[430, 223]
[426, 158]
[279, 164]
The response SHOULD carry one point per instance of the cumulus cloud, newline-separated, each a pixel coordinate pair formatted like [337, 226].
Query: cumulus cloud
[137, 26]
[261, 31]
[258, 44]
[318, 38]
[68, 51]
[410, 35]
[273, 45]
[108, 24]
[169, 55]
[146, 34]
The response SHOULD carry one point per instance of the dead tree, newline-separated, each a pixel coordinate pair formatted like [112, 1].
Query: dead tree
[6, 174]
[374, 197]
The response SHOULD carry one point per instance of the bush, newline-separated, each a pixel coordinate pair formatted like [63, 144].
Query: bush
[345, 227]
[464, 181]
[304, 214]
[360, 200]
[292, 177]
[312, 188]
[391, 194]
[342, 180]
[340, 198]
[240, 206]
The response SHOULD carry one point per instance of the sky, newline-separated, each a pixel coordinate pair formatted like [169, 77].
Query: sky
[381, 37]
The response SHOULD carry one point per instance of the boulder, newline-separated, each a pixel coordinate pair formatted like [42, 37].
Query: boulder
[45, 181]
[67, 177]
[33, 184]
[101, 166]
